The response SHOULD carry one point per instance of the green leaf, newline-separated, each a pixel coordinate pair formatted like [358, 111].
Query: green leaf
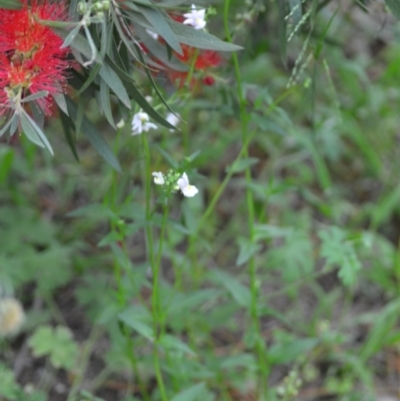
[9, 388]
[386, 206]
[174, 343]
[193, 393]
[381, 330]
[200, 39]
[138, 319]
[10, 4]
[8, 124]
[289, 351]
[394, 6]
[237, 290]
[247, 249]
[33, 132]
[80, 43]
[158, 21]
[242, 164]
[282, 30]
[94, 137]
[295, 11]
[105, 102]
[115, 83]
[338, 251]
[57, 344]
[138, 97]
[35, 96]
[67, 128]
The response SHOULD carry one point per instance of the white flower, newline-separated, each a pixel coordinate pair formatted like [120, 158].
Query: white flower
[152, 34]
[11, 316]
[149, 99]
[140, 123]
[158, 178]
[188, 190]
[121, 123]
[196, 18]
[173, 119]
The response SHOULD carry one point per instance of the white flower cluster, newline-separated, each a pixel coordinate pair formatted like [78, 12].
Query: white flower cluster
[182, 183]
[196, 18]
[141, 122]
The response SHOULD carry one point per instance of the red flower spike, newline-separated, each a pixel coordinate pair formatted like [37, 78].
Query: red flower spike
[32, 59]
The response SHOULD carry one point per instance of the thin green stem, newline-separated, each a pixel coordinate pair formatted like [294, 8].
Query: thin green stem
[155, 267]
[259, 346]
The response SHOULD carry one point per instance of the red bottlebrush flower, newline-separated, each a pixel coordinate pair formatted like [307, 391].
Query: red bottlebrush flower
[31, 57]
[202, 59]
[209, 81]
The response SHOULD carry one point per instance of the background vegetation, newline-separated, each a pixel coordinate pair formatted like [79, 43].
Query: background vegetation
[279, 280]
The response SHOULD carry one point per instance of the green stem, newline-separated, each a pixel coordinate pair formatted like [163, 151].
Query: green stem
[155, 267]
[259, 347]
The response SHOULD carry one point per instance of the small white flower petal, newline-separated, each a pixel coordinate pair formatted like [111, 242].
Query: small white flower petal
[120, 124]
[173, 119]
[183, 181]
[189, 191]
[152, 34]
[140, 123]
[158, 178]
[195, 18]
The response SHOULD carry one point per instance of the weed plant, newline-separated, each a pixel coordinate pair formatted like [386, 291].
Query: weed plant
[277, 280]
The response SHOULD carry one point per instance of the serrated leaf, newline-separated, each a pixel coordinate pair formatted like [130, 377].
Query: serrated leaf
[200, 39]
[338, 251]
[57, 344]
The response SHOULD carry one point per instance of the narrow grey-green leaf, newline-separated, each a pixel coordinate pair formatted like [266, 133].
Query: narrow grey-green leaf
[79, 43]
[158, 21]
[394, 6]
[105, 102]
[71, 36]
[282, 29]
[115, 83]
[59, 98]
[8, 124]
[200, 39]
[35, 96]
[30, 131]
[10, 4]
[94, 137]
[38, 130]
